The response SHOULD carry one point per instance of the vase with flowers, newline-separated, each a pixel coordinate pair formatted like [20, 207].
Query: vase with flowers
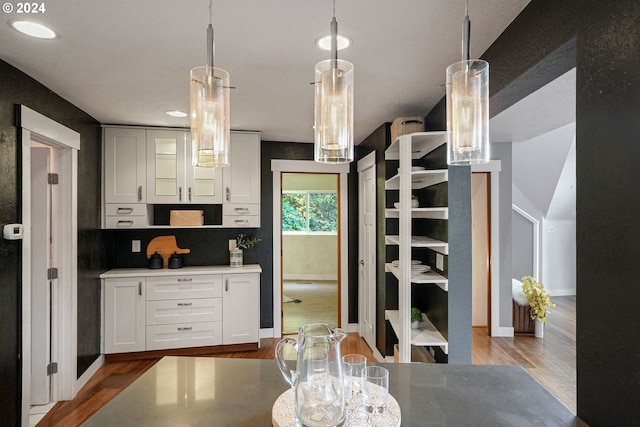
[539, 302]
[242, 242]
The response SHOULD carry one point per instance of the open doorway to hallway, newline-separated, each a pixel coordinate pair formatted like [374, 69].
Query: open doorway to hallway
[310, 250]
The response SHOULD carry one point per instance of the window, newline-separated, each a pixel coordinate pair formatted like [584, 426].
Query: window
[310, 211]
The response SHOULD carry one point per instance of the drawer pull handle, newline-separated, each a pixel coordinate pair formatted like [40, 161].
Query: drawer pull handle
[188, 328]
[228, 194]
[242, 210]
[184, 304]
[241, 221]
[189, 279]
[180, 194]
[125, 223]
[189, 194]
[124, 210]
[140, 288]
[226, 285]
[140, 193]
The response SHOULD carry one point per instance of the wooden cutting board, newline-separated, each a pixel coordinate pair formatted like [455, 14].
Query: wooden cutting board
[165, 246]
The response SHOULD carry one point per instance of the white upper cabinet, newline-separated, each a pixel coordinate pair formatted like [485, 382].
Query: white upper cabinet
[242, 178]
[124, 165]
[204, 185]
[166, 156]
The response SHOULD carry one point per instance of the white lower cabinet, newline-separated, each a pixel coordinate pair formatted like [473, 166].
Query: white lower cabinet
[124, 315]
[155, 312]
[241, 308]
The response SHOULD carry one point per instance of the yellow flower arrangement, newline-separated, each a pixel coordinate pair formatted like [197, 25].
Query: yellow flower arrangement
[539, 298]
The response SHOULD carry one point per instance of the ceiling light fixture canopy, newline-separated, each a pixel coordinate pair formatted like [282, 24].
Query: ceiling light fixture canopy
[468, 106]
[333, 124]
[210, 122]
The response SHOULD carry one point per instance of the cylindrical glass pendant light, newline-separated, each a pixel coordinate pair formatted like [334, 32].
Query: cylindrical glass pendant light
[334, 106]
[468, 106]
[468, 112]
[210, 124]
[334, 112]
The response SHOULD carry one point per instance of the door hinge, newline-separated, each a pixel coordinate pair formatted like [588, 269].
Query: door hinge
[52, 178]
[52, 368]
[52, 273]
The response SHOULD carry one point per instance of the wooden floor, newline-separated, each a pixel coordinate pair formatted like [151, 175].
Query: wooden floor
[309, 302]
[550, 360]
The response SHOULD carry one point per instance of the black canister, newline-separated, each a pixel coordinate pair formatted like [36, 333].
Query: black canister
[176, 260]
[155, 261]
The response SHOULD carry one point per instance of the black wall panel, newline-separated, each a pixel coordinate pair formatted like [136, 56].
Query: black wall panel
[18, 88]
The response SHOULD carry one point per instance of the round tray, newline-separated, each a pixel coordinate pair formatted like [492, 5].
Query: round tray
[283, 413]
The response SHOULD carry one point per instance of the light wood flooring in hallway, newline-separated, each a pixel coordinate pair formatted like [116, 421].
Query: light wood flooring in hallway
[550, 360]
[308, 302]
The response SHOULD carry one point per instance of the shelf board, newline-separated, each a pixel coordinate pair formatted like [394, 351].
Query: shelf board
[430, 213]
[422, 144]
[421, 242]
[425, 335]
[423, 278]
[419, 179]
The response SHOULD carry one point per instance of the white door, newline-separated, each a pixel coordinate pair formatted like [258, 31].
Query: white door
[242, 179]
[367, 249]
[125, 165]
[165, 166]
[40, 284]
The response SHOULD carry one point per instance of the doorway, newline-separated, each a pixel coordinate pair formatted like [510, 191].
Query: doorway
[481, 249]
[278, 167]
[49, 323]
[310, 249]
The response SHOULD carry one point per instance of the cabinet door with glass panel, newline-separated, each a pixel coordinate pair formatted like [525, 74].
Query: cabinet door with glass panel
[171, 178]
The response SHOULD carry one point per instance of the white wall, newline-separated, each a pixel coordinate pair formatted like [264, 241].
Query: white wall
[559, 257]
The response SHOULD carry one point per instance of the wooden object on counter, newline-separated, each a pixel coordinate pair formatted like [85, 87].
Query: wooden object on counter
[186, 218]
[165, 246]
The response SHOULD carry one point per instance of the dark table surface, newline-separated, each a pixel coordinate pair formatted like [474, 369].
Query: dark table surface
[200, 391]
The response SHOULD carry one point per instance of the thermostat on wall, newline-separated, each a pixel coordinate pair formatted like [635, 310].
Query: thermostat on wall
[13, 231]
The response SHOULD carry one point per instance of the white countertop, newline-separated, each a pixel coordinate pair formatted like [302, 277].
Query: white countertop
[190, 270]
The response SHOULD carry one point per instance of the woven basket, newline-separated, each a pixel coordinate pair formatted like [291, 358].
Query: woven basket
[522, 321]
[405, 125]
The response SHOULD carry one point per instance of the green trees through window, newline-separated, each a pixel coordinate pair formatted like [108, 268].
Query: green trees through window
[310, 211]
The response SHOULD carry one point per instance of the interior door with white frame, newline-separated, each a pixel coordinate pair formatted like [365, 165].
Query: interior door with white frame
[367, 249]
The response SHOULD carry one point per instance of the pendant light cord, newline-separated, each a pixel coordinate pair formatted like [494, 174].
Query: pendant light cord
[466, 33]
[210, 43]
[334, 37]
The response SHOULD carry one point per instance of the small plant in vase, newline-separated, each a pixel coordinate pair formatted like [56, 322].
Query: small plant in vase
[416, 317]
[539, 301]
[242, 242]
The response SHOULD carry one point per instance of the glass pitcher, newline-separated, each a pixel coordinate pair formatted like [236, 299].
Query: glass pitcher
[318, 380]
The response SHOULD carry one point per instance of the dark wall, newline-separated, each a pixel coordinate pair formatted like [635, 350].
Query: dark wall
[18, 88]
[210, 246]
[600, 39]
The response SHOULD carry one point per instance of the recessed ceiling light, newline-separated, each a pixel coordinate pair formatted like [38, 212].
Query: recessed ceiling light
[324, 42]
[33, 29]
[176, 114]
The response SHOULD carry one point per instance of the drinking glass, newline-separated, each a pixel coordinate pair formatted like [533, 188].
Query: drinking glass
[358, 364]
[377, 389]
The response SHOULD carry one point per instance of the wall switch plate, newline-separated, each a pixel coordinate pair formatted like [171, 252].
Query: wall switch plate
[440, 262]
[135, 246]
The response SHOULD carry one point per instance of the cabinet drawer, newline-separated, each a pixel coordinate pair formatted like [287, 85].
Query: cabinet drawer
[184, 311]
[123, 209]
[242, 209]
[231, 221]
[126, 222]
[184, 335]
[184, 287]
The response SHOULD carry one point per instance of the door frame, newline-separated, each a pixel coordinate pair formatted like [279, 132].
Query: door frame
[278, 167]
[65, 143]
[494, 167]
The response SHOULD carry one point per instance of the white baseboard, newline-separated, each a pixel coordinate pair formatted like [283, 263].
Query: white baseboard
[502, 331]
[267, 333]
[84, 378]
[353, 327]
[310, 277]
